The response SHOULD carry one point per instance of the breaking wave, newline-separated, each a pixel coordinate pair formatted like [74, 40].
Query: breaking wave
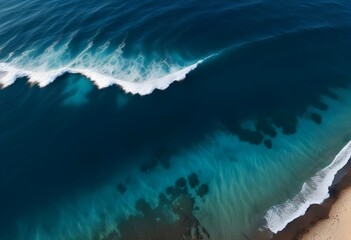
[136, 75]
[314, 191]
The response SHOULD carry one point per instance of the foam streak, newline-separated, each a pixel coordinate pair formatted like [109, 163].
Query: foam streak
[43, 78]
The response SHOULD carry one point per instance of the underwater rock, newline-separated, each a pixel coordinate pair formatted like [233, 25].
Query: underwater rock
[162, 199]
[143, 206]
[180, 187]
[202, 190]
[252, 137]
[183, 205]
[171, 219]
[121, 188]
[193, 180]
[286, 121]
[320, 105]
[316, 118]
[265, 128]
[170, 190]
[181, 182]
[268, 143]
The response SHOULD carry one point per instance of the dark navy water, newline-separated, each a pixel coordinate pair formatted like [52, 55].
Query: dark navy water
[169, 119]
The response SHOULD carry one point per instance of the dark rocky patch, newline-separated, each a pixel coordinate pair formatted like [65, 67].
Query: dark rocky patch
[193, 180]
[286, 121]
[268, 143]
[172, 192]
[181, 187]
[121, 188]
[263, 126]
[250, 136]
[163, 200]
[316, 118]
[181, 182]
[320, 105]
[202, 190]
[157, 224]
[143, 206]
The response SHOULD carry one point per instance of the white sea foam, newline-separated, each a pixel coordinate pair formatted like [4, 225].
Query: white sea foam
[100, 80]
[314, 191]
[136, 75]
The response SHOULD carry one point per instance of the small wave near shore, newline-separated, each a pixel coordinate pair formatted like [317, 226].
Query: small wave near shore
[314, 191]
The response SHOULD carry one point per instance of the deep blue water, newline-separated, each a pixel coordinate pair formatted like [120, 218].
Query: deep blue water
[233, 111]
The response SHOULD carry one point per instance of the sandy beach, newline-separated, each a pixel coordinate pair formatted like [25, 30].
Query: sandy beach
[337, 226]
[329, 220]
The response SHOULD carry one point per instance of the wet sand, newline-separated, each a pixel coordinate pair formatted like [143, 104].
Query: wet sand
[329, 220]
[337, 226]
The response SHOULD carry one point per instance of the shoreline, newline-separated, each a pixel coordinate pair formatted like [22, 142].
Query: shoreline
[318, 216]
[336, 227]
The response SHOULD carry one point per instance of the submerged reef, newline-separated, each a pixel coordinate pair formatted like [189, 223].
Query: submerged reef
[172, 218]
[316, 118]
[268, 143]
[203, 190]
[265, 127]
[193, 180]
[121, 188]
[268, 124]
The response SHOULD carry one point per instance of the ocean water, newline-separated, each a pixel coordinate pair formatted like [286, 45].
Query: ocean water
[170, 119]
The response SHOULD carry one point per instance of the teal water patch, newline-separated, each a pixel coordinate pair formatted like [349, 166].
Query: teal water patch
[77, 90]
[122, 100]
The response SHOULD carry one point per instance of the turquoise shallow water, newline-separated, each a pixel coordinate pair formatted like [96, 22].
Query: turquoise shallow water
[163, 120]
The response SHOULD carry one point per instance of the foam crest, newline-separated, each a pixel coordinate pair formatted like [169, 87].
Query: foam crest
[136, 75]
[141, 87]
[314, 191]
